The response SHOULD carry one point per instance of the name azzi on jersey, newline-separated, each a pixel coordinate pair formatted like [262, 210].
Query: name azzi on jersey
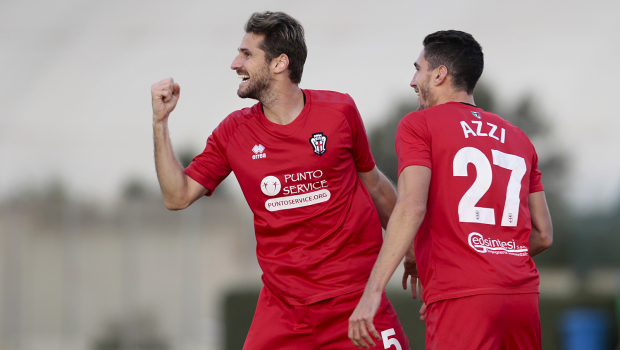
[489, 128]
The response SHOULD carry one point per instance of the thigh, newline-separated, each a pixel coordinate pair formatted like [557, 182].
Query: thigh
[331, 319]
[277, 325]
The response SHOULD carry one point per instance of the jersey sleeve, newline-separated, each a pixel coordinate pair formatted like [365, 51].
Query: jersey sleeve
[364, 161]
[413, 143]
[211, 167]
[535, 176]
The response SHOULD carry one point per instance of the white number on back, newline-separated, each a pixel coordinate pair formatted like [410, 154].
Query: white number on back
[387, 342]
[468, 212]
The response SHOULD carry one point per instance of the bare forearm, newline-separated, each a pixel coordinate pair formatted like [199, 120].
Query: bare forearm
[381, 192]
[172, 178]
[539, 242]
[385, 200]
[404, 224]
[406, 218]
[541, 237]
[409, 212]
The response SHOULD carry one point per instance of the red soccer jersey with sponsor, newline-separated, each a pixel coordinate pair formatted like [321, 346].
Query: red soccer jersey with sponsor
[475, 236]
[317, 231]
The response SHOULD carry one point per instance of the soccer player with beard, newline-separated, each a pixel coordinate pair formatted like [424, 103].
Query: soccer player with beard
[471, 212]
[303, 162]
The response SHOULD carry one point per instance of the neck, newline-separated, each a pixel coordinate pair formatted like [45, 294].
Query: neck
[285, 104]
[456, 96]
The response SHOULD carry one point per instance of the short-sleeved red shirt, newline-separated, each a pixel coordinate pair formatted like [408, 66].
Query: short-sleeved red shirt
[475, 236]
[318, 233]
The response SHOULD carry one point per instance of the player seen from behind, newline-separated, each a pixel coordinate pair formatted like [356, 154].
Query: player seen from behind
[471, 212]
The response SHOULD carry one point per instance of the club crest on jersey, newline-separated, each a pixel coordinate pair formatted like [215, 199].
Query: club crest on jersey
[258, 151]
[318, 141]
[476, 114]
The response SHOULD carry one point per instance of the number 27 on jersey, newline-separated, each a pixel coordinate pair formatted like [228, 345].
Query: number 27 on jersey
[467, 210]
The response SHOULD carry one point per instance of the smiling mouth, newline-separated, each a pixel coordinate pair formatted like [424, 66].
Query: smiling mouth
[244, 77]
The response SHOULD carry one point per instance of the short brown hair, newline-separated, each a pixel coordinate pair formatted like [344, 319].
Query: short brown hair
[283, 35]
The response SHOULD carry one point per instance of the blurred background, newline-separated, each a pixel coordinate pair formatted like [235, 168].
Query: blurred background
[91, 259]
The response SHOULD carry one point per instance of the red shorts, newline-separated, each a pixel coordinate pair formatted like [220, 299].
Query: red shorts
[323, 325]
[484, 322]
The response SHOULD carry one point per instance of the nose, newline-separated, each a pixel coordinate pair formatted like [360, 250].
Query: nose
[412, 83]
[236, 63]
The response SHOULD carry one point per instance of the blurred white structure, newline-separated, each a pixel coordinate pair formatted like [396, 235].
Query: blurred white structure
[73, 276]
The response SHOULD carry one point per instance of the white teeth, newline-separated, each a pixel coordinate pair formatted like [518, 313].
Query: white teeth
[243, 77]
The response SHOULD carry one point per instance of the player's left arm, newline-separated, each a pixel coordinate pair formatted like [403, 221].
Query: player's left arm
[381, 191]
[541, 237]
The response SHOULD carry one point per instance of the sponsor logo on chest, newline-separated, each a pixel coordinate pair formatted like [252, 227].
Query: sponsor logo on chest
[299, 190]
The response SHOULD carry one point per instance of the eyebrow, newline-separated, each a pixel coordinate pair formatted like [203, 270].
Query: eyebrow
[243, 50]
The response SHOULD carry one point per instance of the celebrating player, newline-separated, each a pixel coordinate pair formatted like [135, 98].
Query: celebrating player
[304, 164]
[471, 201]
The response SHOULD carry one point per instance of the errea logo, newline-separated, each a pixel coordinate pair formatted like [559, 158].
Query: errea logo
[258, 152]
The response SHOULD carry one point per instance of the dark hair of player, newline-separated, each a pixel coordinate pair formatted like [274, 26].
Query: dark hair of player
[283, 35]
[460, 53]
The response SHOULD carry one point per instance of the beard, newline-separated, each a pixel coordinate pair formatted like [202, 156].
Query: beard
[258, 87]
[426, 96]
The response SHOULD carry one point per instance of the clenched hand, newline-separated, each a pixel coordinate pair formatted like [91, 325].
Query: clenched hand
[165, 95]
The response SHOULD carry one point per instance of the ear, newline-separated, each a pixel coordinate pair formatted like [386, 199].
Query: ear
[440, 74]
[280, 63]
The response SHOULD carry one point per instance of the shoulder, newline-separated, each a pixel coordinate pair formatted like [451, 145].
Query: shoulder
[503, 123]
[327, 97]
[234, 120]
[413, 119]
[333, 100]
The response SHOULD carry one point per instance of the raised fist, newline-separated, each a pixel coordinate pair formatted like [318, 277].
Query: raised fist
[165, 95]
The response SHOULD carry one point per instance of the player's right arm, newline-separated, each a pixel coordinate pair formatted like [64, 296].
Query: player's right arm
[409, 211]
[178, 189]
[541, 237]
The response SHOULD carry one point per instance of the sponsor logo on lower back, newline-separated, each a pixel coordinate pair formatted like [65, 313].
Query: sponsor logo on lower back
[495, 246]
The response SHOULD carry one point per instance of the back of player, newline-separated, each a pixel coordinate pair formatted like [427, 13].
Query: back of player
[474, 238]
[471, 200]
[483, 170]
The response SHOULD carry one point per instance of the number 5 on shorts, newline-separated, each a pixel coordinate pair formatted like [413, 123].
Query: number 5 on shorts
[387, 342]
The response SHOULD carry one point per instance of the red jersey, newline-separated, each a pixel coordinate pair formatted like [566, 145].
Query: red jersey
[318, 233]
[475, 236]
